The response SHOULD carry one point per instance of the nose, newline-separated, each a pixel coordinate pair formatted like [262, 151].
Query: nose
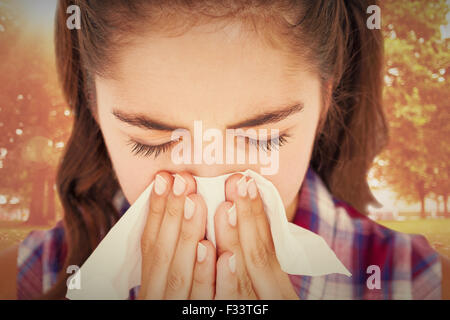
[204, 170]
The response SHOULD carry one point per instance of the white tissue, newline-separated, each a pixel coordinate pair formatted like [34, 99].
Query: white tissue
[115, 265]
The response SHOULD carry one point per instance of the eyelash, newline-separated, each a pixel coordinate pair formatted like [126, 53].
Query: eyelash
[147, 150]
[268, 145]
[140, 149]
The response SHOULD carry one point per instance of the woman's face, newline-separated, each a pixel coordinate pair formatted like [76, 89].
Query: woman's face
[225, 79]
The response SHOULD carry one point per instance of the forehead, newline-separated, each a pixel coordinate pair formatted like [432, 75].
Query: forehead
[206, 68]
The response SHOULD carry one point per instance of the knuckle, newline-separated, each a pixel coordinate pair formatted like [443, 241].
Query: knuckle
[246, 213]
[145, 245]
[154, 210]
[159, 255]
[245, 286]
[172, 211]
[261, 217]
[272, 255]
[258, 256]
[175, 281]
[199, 281]
[234, 244]
[186, 235]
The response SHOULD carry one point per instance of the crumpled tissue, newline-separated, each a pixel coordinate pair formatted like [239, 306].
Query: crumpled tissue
[115, 265]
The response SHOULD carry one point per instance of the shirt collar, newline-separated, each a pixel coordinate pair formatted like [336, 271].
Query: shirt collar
[316, 209]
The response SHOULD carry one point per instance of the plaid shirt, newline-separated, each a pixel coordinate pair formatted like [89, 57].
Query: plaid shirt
[408, 267]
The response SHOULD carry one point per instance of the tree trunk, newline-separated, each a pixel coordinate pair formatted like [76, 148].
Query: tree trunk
[422, 207]
[420, 187]
[446, 212]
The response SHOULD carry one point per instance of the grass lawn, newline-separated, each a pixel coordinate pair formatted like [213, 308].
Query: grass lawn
[437, 231]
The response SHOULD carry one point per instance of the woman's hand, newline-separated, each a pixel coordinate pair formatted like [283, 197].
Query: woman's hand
[247, 267]
[176, 262]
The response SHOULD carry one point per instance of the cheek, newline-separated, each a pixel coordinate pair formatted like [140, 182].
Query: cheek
[295, 157]
[133, 173]
[293, 166]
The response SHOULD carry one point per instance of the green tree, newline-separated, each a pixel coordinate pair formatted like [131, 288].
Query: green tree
[416, 98]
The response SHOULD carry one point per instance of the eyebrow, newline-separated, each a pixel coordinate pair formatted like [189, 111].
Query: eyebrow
[144, 122]
[269, 117]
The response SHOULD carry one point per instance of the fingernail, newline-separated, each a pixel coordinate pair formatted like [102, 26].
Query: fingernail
[160, 185]
[232, 215]
[201, 252]
[232, 263]
[252, 191]
[179, 185]
[242, 187]
[189, 208]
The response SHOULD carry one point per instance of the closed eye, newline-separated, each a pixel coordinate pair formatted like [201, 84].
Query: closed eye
[270, 144]
[145, 150]
[140, 149]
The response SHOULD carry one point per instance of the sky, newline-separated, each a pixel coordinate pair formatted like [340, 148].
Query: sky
[39, 13]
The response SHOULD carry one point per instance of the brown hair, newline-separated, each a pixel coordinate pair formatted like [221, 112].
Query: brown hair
[345, 53]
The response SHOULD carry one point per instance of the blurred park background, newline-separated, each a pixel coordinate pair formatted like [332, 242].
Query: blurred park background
[410, 178]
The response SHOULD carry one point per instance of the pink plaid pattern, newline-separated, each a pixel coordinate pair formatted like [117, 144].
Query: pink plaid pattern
[409, 267]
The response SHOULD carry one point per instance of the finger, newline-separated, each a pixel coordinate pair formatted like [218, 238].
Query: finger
[257, 260]
[158, 197]
[263, 227]
[227, 240]
[180, 276]
[164, 247]
[226, 281]
[262, 222]
[245, 288]
[204, 282]
[227, 237]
